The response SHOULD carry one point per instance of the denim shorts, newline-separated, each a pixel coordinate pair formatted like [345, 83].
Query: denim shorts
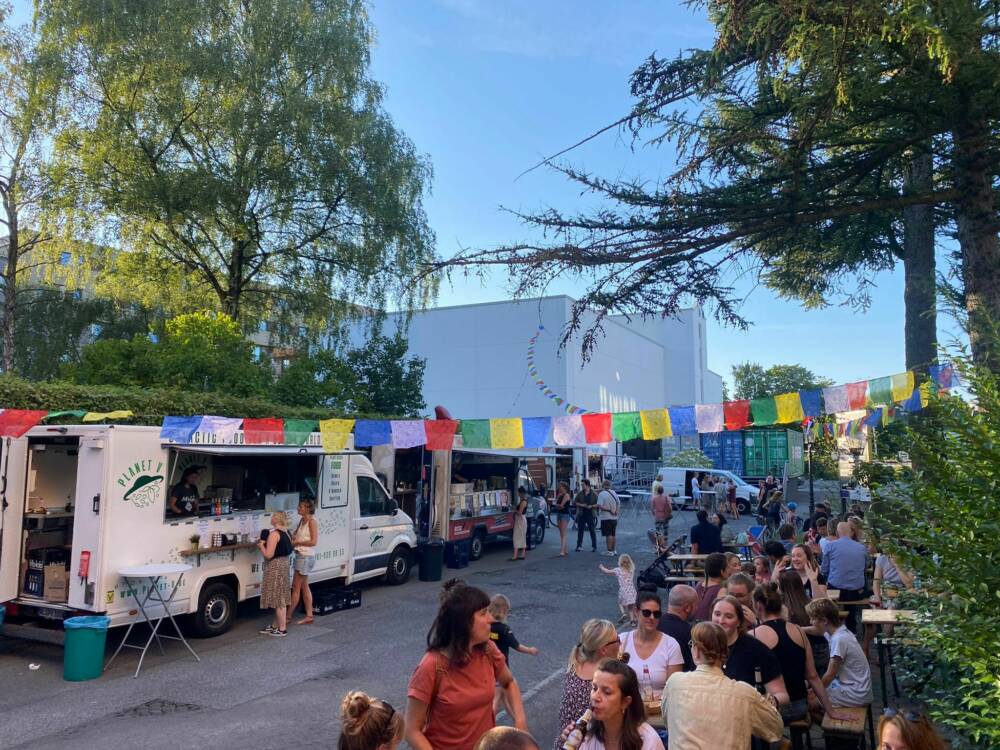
[304, 564]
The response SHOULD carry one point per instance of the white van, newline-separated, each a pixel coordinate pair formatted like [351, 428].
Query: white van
[83, 502]
[677, 481]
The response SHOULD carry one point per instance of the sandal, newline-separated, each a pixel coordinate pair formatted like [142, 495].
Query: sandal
[305, 621]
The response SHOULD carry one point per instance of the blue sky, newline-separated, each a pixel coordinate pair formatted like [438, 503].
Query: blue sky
[487, 88]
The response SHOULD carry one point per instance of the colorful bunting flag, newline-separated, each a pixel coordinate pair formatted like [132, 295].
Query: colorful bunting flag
[568, 431]
[15, 422]
[260, 431]
[506, 433]
[101, 416]
[75, 413]
[475, 433]
[371, 432]
[175, 429]
[788, 408]
[655, 424]
[597, 428]
[943, 375]
[297, 431]
[875, 418]
[536, 431]
[880, 390]
[812, 402]
[857, 394]
[763, 412]
[224, 428]
[682, 420]
[334, 434]
[626, 425]
[440, 434]
[835, 399]
[737, 414]
[902, 386]
[407, 433]
[709, 418]
[546, 391]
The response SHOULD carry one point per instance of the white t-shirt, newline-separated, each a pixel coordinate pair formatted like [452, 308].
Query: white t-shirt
[853, 684]
[650, 740]
[666, 654]
[695, 489]
[606, 500]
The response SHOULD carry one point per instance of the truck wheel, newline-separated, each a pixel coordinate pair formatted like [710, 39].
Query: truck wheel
[539, 530]
[216, 609]
[398, 571]
[743, 506]
[478, 545]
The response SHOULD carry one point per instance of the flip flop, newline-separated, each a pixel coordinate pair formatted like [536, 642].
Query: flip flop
[305, 621]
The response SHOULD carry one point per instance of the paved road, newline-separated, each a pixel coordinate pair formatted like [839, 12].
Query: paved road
[253, 691]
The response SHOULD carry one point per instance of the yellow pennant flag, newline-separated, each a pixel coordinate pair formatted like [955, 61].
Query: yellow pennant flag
[506, 433]
[902, 386]
[98, 416]
[334, 434]
[655, 424]
[926, 391]
[789, 408]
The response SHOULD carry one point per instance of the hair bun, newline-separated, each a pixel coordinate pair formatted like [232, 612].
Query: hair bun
[354, 707]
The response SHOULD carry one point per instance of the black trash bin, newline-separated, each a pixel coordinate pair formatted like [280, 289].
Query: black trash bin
[430, 560]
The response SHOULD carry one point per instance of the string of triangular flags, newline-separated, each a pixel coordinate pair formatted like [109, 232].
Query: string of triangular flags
[16, 422]
[542, 386]
[590, 428]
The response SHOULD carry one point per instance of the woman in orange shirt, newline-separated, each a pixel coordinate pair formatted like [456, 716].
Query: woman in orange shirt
[450, 696]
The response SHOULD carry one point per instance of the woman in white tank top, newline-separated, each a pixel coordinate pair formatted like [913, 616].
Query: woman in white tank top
[305, 537]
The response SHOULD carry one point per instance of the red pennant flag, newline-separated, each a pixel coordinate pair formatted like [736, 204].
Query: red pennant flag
[737, 414]
[440, 434]
[857, 394]
[16, 422]
[597, 427]
[259, 431]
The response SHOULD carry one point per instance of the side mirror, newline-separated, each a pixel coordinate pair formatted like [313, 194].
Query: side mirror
[394, 508]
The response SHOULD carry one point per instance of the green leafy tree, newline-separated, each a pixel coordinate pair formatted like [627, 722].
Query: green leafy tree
[244, 145]
[692, 457]
[751, 380]
[942, 524]
[197, 352]
[795, 133]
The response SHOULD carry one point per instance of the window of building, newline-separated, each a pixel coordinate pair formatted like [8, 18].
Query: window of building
[258, 352]
[262, 327]
[65, 259]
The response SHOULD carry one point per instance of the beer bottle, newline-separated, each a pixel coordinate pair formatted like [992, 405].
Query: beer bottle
[575, 738]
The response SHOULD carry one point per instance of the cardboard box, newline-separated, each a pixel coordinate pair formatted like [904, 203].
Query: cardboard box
[56, 583]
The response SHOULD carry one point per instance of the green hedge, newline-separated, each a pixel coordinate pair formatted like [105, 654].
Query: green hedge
[150, 405]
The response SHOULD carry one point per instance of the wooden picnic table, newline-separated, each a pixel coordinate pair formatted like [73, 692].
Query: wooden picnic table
[878, 618]
[833, 595]
[687, 558]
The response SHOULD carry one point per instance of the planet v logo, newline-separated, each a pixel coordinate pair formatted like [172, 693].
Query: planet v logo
[377, 536]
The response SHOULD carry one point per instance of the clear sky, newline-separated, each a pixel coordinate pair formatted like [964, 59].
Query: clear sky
[485, 88]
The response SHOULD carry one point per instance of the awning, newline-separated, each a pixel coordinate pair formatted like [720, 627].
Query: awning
[254, 450]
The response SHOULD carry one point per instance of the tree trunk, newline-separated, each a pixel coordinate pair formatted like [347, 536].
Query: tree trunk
[919, 274]
[10, 287]
[980, 244]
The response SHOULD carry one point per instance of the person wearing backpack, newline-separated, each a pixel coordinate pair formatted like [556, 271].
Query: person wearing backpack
[607, 513]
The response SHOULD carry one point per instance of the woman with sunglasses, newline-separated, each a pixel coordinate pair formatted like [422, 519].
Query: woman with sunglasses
[598, 641]
[450, 695]
[749, 660]
[653, 654]
[368, 723]
[907, 730]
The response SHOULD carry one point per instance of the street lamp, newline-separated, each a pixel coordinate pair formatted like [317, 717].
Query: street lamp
[810, 438]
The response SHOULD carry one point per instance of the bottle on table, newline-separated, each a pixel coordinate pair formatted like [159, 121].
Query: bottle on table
[647, 684]
[576, 737]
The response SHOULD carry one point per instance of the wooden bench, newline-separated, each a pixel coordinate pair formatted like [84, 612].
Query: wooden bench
[853, 726]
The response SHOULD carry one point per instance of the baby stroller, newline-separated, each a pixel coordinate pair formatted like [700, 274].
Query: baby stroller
[655, 576]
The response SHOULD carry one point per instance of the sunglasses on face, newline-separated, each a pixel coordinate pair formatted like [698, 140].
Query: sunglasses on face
[908, 715]
[650, 612]
[615, 642]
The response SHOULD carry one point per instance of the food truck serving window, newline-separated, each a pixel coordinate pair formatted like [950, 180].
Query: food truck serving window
[220, 482]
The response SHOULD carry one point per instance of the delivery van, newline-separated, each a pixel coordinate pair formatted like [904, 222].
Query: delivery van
[81, 503]
[677, 481]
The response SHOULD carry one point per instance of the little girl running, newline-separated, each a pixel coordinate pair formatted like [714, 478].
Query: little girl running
[625, 572]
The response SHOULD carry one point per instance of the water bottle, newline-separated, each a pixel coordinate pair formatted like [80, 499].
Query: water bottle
[758, 681]
[575, 738]
[647, 684]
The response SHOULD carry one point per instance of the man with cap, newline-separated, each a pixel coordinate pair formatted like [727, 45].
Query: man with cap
[184, 495]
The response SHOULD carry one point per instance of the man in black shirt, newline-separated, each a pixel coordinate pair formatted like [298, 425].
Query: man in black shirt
[586, 502]
[706, 537]
[676, 620]
[184, 496]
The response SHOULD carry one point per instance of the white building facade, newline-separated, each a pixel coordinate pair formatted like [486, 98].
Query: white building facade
[477, 360]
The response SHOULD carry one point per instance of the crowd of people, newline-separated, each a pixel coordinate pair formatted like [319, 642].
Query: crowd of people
[754, 646]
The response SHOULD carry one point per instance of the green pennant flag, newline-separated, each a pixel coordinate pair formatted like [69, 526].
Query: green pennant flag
[476, 433]
[626, 425]
[76, 414]
[880, 391]
[297, 431]
[763, 411]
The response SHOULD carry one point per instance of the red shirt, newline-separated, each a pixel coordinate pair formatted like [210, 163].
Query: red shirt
[462, 708]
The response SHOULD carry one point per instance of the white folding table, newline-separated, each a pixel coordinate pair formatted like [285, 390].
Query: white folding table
[151, 575]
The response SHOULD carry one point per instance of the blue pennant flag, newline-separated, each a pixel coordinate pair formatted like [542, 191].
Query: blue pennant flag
[179, 429]
[682, 420]
[536, 431]
[369, 432]
[811, 403]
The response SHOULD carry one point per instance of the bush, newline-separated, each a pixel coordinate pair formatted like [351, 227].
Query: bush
[692, 457]
[943, 522]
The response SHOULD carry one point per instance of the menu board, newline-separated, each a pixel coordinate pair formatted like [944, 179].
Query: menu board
[335, 491]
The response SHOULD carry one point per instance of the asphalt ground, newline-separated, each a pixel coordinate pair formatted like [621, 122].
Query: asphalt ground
[251, 690]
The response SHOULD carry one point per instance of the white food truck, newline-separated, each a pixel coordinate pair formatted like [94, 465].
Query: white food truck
[81, 503]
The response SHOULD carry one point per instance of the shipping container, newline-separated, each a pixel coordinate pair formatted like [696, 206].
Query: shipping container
[671, 446]
[725, 450]
[766, 451]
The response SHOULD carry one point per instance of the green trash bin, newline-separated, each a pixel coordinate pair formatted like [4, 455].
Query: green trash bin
[84, 655]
